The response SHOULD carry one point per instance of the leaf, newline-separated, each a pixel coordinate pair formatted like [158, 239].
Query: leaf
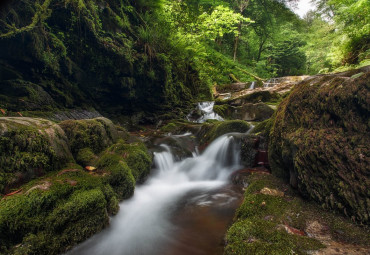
[90, 168]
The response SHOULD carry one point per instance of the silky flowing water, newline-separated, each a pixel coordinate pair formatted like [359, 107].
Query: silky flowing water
[185, 206]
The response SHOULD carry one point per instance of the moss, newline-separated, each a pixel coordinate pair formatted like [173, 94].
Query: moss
[85, 157]
[80, 217]
[319, 141]
[217, 129]
[137, 158]
[260, 237]
[29, 148]
[221, 110]
[96, 134]
[264, 128]
[258, 230]
[119, 175]
[56, 212]
[170, 127]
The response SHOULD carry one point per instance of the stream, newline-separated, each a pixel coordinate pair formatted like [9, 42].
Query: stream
[185, 206]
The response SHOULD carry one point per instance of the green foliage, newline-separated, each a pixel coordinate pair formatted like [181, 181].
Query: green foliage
[221, 21]
[349, 42]
[286, 56]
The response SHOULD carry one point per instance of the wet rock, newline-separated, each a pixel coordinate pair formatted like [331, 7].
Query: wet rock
[210, 132]
[247, 111]
[319, 141]
[75, 114]
[254, 151]
[29, 148]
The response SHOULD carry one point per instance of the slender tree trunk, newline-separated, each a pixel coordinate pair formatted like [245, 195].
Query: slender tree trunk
[237, 40]
[260, 49]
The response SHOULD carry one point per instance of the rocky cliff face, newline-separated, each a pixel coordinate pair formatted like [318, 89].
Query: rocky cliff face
[320, 141]
[90, 54]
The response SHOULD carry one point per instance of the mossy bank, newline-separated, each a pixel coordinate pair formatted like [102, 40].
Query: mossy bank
[274, 219]
[52, 203]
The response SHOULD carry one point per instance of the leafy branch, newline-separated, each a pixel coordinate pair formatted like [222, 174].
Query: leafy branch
[41, 14]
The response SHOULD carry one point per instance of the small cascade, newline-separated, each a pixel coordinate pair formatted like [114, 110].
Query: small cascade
[164, 160]
[143, 225]
[253, 84]
[271, 82]
[204, 112]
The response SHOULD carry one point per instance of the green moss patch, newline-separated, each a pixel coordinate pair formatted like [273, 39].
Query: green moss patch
[211, 131]
[126, 164]
[56, 212]
[262, 220]
[96, 134]
[30, 148]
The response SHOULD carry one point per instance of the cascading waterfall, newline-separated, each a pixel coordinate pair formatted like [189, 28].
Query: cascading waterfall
[270, 83]
[253, 84]
[206, 109]
[143, 224]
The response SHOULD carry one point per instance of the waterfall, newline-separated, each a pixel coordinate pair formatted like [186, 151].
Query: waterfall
[143, 224]
[207, 113]
[270, 83]
[253, 84]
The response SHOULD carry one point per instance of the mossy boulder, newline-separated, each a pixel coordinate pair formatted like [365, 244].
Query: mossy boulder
[319, 141]
[210, 131]
[30, 148]
[248, 111]
[89, 136]
[125, 164]
[53, 214]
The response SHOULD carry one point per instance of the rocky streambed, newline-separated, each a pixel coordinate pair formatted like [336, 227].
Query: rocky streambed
[61, 182]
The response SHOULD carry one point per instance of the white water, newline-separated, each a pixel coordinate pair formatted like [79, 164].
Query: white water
[206, 108]
[270, 83]
[253, 84]
[142, 226]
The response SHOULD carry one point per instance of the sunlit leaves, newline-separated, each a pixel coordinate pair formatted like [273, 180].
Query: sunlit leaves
[221, 21]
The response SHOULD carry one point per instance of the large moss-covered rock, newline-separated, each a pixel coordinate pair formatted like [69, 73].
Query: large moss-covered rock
[210, 131]
[89, 136]
[67, 205]
[29, 148]
[319, 141]
[52, 214]
[248, 111]
[125, 164]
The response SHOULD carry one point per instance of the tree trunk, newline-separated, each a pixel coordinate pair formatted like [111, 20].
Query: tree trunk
[237, 40]
[260, 49]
